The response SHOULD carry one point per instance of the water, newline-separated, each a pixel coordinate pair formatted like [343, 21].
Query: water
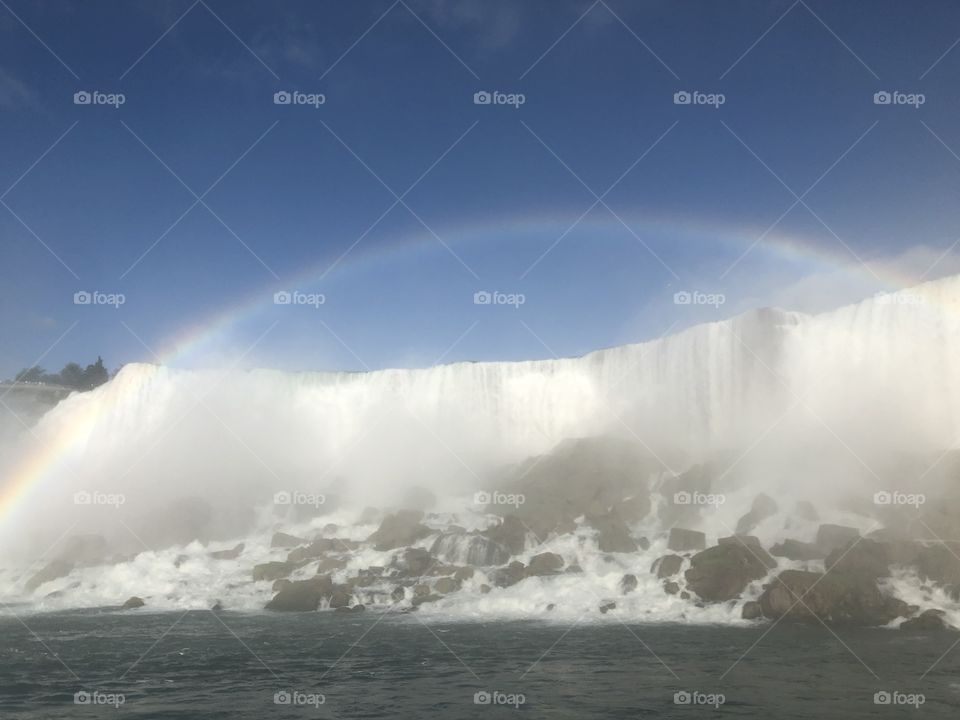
[199, 665]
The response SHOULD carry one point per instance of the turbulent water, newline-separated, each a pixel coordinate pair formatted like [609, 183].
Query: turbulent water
[799, 407]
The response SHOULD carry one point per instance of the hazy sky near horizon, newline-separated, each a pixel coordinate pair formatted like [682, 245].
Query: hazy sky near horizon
[189, 187]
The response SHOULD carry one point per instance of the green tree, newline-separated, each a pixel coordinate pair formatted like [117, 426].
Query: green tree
[33, 374]
[95, 375]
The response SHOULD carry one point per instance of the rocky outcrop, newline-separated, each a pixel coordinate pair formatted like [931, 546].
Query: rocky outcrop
[613, 535]
[511, 533]
[627, 584]
[446, 585]
[320, 547]
[667, 566]
[133, 603]
[633, 509]
[750, 541]
[53, 570]
[509, 575]
[751, 610]
[400, 529]
[283, 540]
[270, 571]
[763, 507]
[303, 595]
[723, 572]
[833, 598]
[231, 554]
[927, 621]
[475, 548]
[413, 562]
[831, 537]
[685, 540]
[80, 551]
[796, 550]
[544, 564]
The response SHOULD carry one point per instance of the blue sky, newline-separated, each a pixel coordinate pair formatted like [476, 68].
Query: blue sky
[199, 198]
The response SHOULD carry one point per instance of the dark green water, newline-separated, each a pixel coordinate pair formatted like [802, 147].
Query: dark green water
[202, 665]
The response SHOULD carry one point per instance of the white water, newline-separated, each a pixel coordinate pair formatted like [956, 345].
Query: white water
[809, 406]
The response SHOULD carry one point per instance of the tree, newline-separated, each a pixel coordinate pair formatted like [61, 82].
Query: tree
[33, 374]
[95, 375]
[73, 376]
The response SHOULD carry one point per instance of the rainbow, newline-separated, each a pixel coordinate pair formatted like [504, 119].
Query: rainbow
[68, 442]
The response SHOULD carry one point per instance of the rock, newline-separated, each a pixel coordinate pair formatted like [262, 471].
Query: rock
[398, 530]
[303, 595]
[319, 548]
[806, 511]
[867, 560]
[421, 589]
[574, 568]
[359, 607]
[751, 610]
[643, 543]
[763, 507]
[413, 562]
[667, 566]
[927, 621]
[832, 598]
[340, 598]
[606, 606]
[551, 607]
[397, 594]
[511, 534]
[750, 541]
[723, 572]
[671, 588]
[420, 600]
[272, 570]
[484, 589]
[628, 583]
[830, 537]
[231, 554]
[509, 575]
[217, 606]
[329, 564]
[544, 564]
[53, 570]
[280, 584]
[446, 585]
[682, 540]
[613, 535]
[464, 574]
[796, 550]
[283, 540]
[133, 603]
[684, 595]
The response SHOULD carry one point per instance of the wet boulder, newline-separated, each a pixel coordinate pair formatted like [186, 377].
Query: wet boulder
[927, 621]
[53, 570]
[399, 529]
[628, 583]
[606, 606]
[633, 509]
[796, 550]
[231, 554]
[750, 541]
[613, 535]
[133, 603]
[831, 537]
[544, 564]
[723, 572]
[666, 566]
[682, 540]
[303, 595]
[413, 562]
[509, 575]
[446, 585]
[751, 610]
[273, 570]
[763, 507]
[473, 548]
[284, 540]
[511, 533]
